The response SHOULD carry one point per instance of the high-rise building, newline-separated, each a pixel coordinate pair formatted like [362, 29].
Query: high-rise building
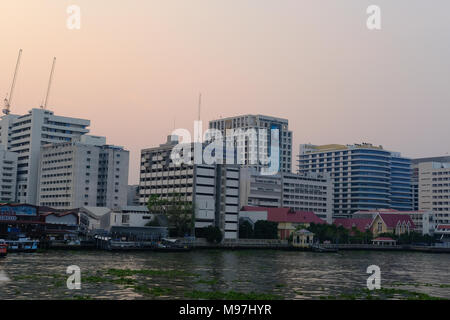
[213, 189]
[300, 192]
[8, 175]
[25, 134]
[83, 172]
[434, 191]
[263, 144]
[364, 176]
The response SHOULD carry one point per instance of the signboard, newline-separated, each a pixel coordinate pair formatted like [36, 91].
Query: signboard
[22, 210]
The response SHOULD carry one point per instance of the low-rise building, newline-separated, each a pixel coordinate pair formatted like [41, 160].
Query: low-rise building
[288, 220]
[300, 192]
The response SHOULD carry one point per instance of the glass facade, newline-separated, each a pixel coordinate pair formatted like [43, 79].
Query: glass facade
[363, 178]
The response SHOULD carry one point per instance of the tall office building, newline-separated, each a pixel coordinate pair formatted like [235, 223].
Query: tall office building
[26, 134]
[364, 176]
[83, 172]
[213, 189]
[8, 175]
[263, 145]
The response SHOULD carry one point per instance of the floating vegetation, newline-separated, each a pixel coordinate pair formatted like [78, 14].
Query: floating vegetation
[153, 291]
[210, 282]
[149, 272]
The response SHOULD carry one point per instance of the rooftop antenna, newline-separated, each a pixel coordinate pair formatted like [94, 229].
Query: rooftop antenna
[8, 100]
[44, 106]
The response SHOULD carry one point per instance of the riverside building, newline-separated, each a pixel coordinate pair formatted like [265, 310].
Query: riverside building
[8, 175]
[213, 189]
[300, 192]
[364, 176]
[434, 191]
[83, 172]
[25, 134]
[262, 144]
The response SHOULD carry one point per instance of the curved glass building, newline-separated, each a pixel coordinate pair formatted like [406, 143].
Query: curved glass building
[364, 176]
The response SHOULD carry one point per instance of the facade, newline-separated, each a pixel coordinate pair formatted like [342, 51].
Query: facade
[128, 216]
[83, 172]
[364, 176]
[8, 175]
[302, 238]
[213, 189]
[378, 222]
[434, 191]
[133, 195]
[306, 192]
[257, 122]
[25, 134]
[287, 219]
[423, 220]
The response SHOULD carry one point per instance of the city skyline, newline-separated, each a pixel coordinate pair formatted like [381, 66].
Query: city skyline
[134, 69]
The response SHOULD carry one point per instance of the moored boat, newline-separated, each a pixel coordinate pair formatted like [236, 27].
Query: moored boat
[22, 245]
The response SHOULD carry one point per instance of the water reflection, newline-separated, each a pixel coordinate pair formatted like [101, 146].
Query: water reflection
[292, 275]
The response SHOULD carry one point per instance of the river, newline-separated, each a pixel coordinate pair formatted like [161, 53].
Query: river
[212, 273]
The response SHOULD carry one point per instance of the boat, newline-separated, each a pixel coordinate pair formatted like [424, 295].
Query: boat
[22, 245]
[3, 248]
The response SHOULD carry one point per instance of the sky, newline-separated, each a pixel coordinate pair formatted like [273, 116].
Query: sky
[135, 68]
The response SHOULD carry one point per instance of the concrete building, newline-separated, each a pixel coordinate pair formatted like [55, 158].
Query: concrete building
[83, 172]
[434, 192]
[213, 189]
[307, 192]
[364, 176]
[127, 216]
[8, 175]
[25, 134]
[263, 144]
[133, 195]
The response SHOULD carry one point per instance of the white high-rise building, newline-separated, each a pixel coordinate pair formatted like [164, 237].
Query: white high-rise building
[212, 189]
[263, 144]
[84, 172]
[8, 175]
[25, 134]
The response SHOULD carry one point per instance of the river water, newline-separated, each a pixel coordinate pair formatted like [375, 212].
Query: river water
[285, 274]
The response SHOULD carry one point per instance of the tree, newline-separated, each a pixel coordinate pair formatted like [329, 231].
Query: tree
[265, 230]
[211, 233]
[179, 212]
[245, 230]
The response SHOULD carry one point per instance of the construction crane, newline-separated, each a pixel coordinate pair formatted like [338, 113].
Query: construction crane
[44, 105]
[8, 100]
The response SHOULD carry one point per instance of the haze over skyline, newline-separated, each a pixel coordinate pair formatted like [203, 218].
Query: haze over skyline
[135, 66]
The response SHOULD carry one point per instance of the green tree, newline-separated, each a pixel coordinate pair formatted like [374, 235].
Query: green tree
[179, 212]
[211, 233]
[245, 230]
[266, 230]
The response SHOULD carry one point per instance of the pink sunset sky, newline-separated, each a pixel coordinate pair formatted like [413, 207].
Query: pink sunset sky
[137, 66]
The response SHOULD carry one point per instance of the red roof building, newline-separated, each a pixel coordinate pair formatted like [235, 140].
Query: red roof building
[362, 224]
[286, 218]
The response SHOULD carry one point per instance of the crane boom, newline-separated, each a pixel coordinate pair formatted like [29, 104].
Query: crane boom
[8, 100]
[49, 84]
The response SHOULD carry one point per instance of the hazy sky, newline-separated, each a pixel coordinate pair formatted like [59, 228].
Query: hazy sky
[136, 65]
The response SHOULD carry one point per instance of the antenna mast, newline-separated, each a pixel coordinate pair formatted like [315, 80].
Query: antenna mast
[8, 100]
[44, 106]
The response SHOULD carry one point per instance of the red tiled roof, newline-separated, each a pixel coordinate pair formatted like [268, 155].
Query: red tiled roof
[287, 215]
[392, 220]
[362, 224]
